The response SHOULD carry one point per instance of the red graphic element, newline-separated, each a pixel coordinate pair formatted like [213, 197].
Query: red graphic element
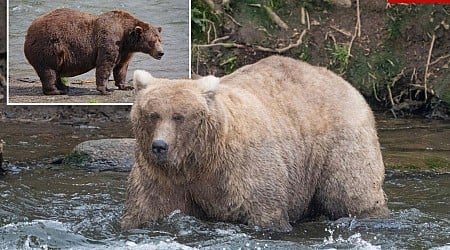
[419, 1]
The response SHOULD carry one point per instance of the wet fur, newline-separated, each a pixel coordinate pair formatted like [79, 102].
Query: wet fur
[275, 142]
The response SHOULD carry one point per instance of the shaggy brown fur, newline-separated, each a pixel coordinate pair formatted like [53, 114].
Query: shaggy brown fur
[275, 142]
[67, 42]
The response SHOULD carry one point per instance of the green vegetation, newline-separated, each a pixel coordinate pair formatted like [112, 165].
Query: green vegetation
[76, 158]
[274, 4]
[230, 64]
[374, 74]
[93, 101]
[339, 57]
[387, 63]
[407, 166]
[65, 81]
[436, 163]
[204, 22]
[303, 53]
[446, 97]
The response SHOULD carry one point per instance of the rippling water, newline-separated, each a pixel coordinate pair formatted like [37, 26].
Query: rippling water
[63, 207]
[172, 15]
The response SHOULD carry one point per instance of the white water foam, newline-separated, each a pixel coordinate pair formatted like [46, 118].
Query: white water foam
[354, 241]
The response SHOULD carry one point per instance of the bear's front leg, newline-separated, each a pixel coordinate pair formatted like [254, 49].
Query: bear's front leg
[270, 216]
[106, 58]
[120, 72]
[150, 198]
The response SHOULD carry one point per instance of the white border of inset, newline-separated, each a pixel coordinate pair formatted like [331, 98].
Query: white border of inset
[72, 104]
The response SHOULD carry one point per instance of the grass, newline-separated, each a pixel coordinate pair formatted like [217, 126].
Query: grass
[408, 166]
[203, 22]
[302, 52]
[338, 56]
[433, 163]
[275, 4]
[437, 163]
[373, 74]
[230, 64]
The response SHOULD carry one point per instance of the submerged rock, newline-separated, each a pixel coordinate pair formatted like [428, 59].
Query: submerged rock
[103, 155]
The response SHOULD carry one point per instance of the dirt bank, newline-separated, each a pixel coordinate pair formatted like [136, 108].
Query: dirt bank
[396, 55]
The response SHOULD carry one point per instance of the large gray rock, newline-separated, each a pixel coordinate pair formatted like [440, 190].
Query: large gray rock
[104, 154]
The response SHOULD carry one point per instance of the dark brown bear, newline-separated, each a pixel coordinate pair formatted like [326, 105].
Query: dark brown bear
[67, 43]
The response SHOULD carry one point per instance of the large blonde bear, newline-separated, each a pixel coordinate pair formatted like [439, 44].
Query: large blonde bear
[275, 142]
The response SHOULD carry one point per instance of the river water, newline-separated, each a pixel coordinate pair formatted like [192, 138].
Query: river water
[172, 16]
[48, 206]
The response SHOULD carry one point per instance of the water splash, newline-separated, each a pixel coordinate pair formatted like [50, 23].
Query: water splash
[354, 241]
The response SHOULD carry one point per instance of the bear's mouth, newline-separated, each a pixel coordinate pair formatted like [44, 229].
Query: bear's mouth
[170, 168]
[160, 160]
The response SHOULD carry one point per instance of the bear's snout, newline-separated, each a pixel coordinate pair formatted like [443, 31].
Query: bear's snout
[160, 54]
[159, 147]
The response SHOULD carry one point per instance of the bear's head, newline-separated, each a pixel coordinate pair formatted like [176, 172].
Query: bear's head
[147, 39]
[174, 121]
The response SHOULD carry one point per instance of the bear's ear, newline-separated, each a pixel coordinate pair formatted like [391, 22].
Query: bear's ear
[209, 84]
[141, 79]
[138, 30]
[159, 29]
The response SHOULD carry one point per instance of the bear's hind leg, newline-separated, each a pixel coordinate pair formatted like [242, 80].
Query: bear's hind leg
[352, 183]
[49, 82]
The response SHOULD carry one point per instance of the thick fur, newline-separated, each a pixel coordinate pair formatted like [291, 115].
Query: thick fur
[67, 42]
[275, 142]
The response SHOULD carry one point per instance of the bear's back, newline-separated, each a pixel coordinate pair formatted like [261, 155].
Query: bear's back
[305, 93]
[62, 22]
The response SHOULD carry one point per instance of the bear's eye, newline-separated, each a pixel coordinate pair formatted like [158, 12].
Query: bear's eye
[153, 116]
[178, 117]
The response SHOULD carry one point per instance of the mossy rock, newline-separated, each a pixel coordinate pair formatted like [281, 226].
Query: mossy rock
[76, 158]
[103, 155]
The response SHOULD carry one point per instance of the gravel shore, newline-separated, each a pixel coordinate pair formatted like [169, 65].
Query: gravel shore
[29, 91]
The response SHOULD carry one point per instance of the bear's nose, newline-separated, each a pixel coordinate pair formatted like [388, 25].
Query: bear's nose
[159, 147]
[160, 54]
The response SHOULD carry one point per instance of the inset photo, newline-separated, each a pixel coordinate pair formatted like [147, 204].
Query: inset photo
[85, 52]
